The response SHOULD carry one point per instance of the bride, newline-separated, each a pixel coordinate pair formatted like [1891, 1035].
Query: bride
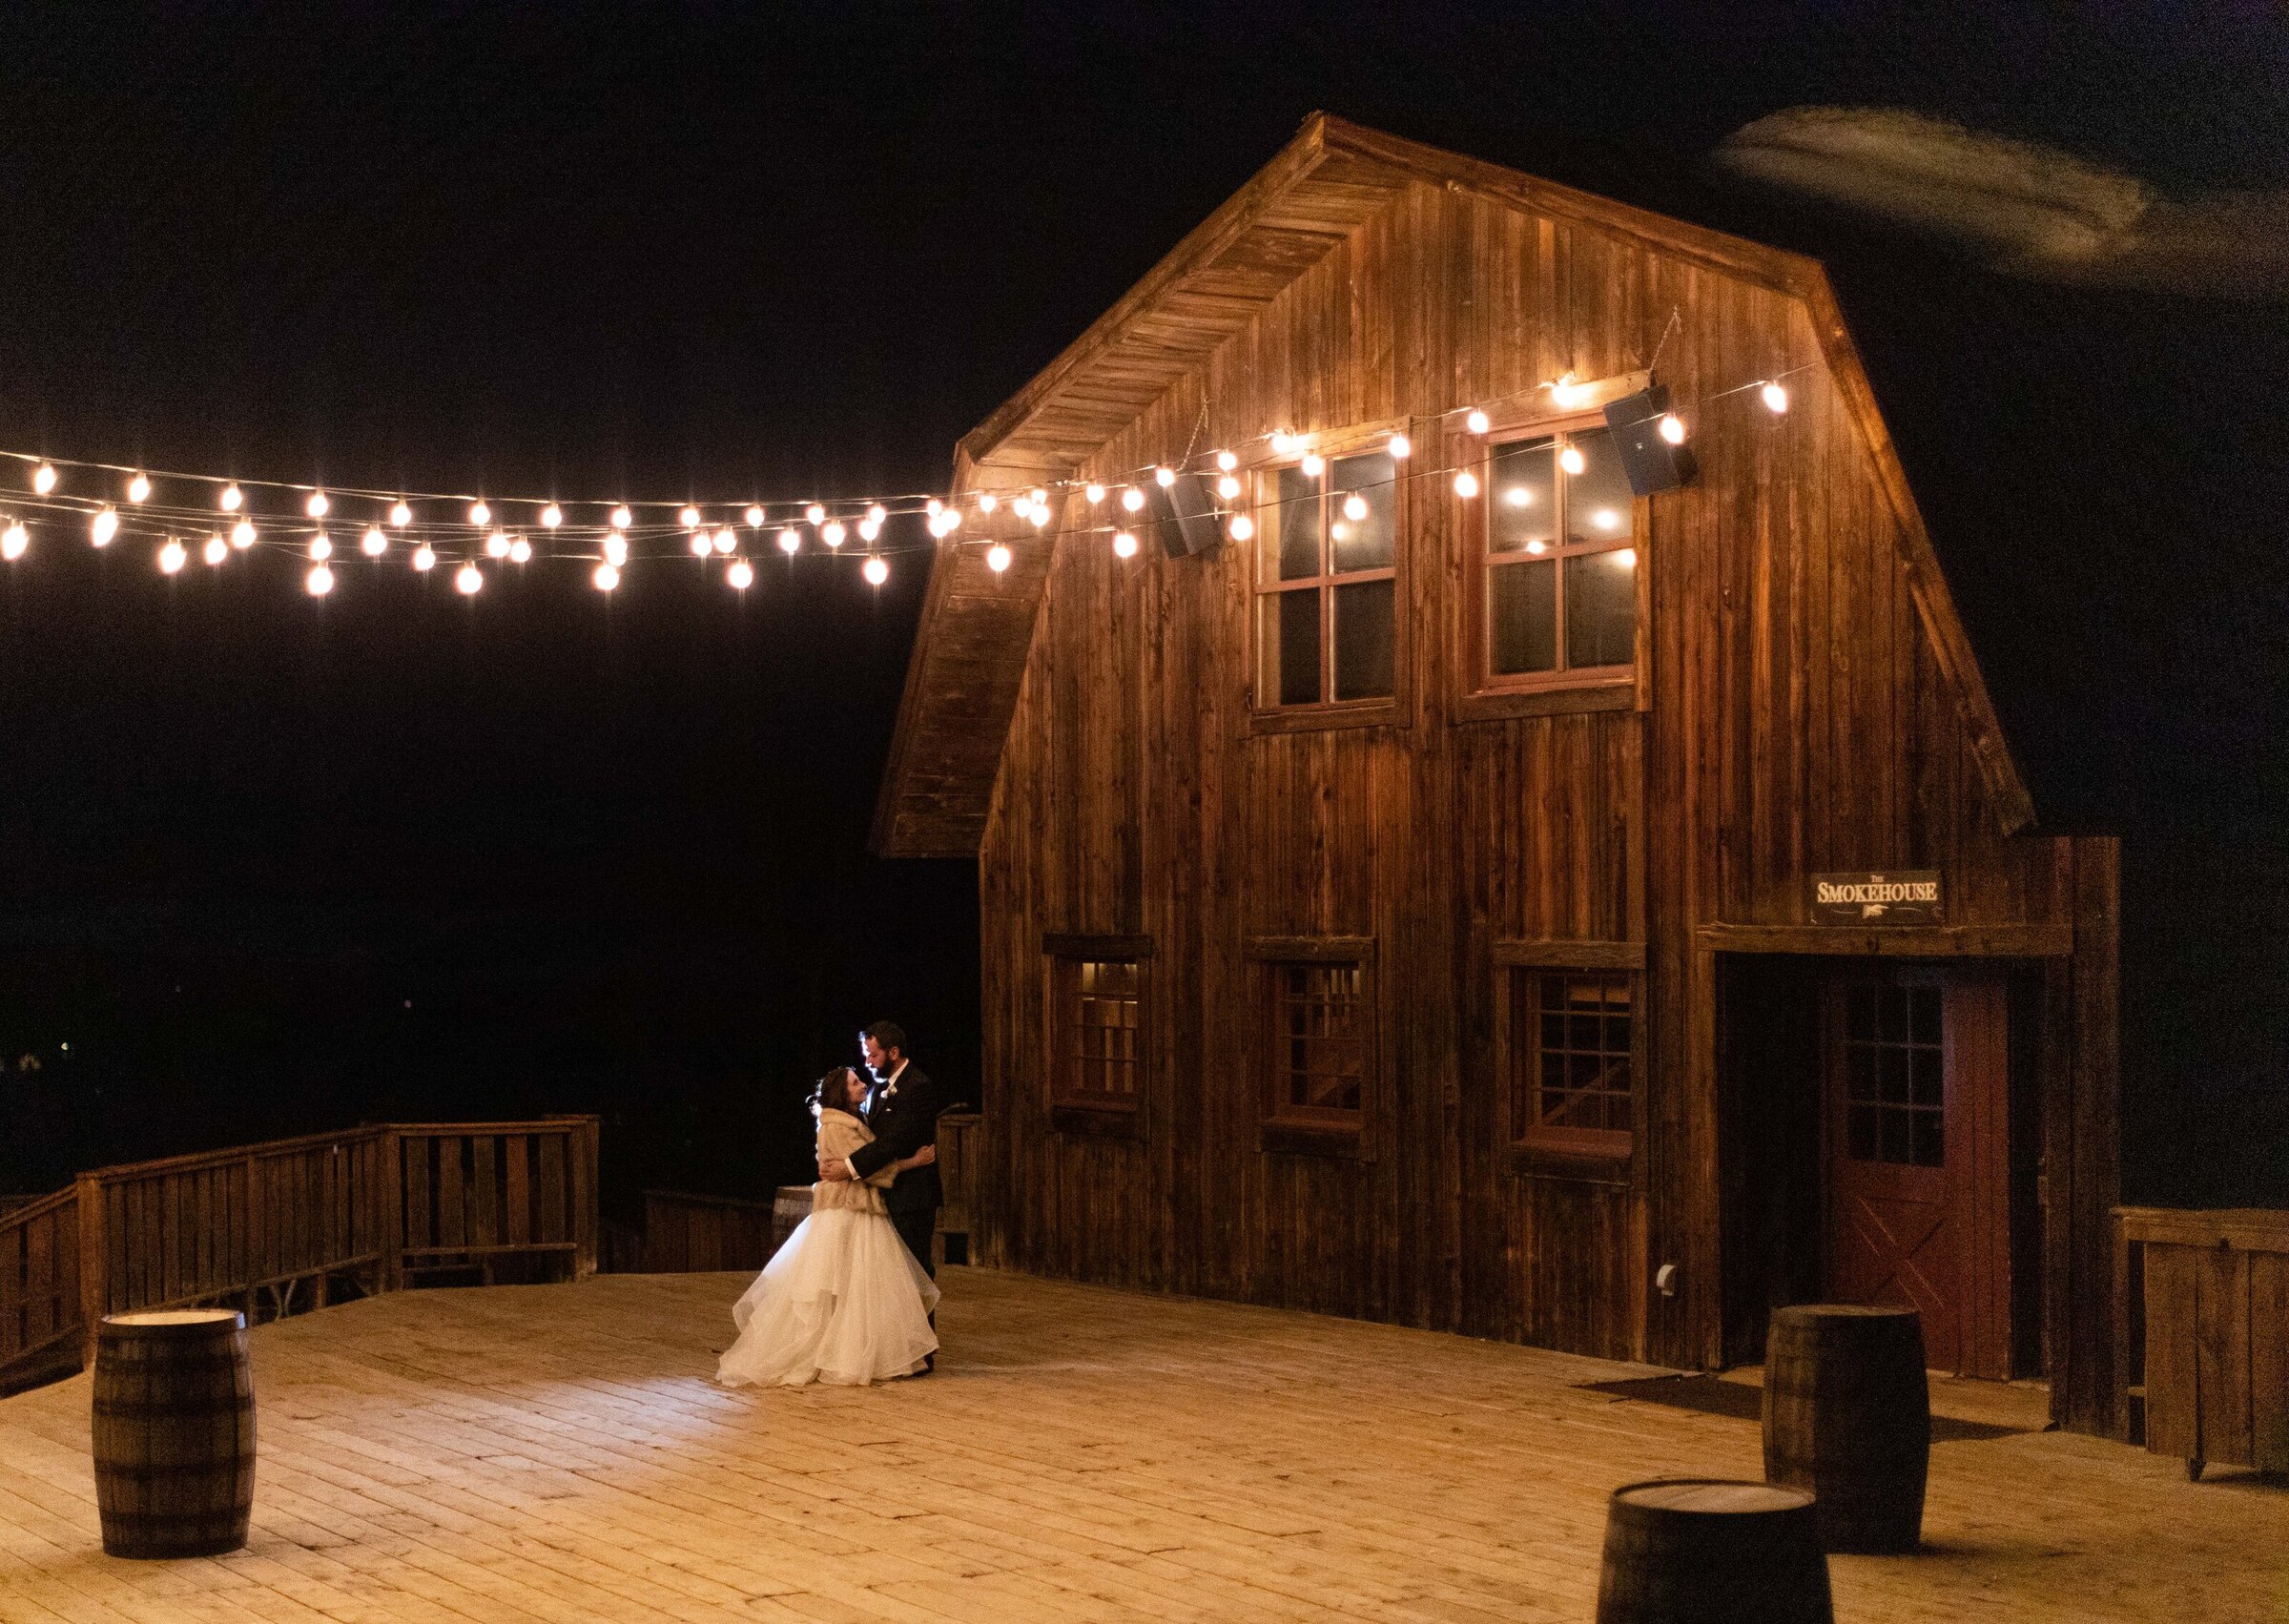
[842, 1301]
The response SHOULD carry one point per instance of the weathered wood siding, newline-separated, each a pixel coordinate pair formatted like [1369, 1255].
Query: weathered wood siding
[1794, 719]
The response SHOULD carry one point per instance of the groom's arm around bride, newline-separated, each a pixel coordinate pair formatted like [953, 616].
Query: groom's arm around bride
[903, 1115]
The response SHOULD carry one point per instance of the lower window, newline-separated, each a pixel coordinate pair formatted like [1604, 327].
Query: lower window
[1320, 1043]
[1572, 1071]
[1097, 1032]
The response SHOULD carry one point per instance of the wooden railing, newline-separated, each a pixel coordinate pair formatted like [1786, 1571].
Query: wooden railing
[272, 1226]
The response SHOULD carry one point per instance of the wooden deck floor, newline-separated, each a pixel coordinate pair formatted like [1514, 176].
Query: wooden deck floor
[557, 1452]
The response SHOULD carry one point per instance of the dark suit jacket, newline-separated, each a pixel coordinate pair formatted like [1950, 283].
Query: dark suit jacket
[903, 1120]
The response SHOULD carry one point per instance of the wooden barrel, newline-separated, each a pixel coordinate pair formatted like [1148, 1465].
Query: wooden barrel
[1848, 1417]
[1698, 1550]
[174, 1432]
[789, 1208]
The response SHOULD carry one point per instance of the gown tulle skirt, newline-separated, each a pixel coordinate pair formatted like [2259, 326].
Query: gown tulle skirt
[843, 1301]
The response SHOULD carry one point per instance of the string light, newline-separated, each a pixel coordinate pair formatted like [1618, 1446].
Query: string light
[1225, 461]
[495, 545]
[216, 552]
[700, 544]
[1478, 423]
[1571, 460]
[934, 508]
[815, 513]
[1284, 444]
[1562, 393]
[1673, 428]
[1775, 399]
[233, 498]
[401, 515]
[616, 549]
[1625, 558]
[1227, 488]
[468, 580]
[1164, 475]
[740, 576]
[606, 577]
[172, 557]
[1040, 516]
[552, 516]
[997, 558]
[139, 488]
[727, 541]
[103, 528]
[480, 515]
[1125, 545]
[1466, 484]
[1313, 464]
[1095, 493]
[622, 518]
[43, 478]
[689, 517]
[318, 506]
[242, 534]
[320, 548]
[791, 540]
[1354, 507]
[519, 551]
[424, 558]
[1400, 446]
[877, 572]
[876, 514]
[834, 534]
[375, 542]
[14, 541]
[870, 528]
[987, 502]
[1133, 499]
[1039, 497]
[319, 580]
[1240, 528]
[754, 517]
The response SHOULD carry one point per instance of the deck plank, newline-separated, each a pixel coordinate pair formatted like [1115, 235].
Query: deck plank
[558, 1456]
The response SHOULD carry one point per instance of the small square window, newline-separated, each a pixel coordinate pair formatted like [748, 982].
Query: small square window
[1097, 1031]
[1571, 1061]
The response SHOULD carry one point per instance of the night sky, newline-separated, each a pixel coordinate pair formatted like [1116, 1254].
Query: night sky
[270, 865]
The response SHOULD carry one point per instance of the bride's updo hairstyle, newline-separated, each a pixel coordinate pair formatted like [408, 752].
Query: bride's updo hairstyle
[832, 1091]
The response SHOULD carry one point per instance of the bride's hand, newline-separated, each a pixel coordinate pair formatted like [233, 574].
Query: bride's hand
[923, 1156]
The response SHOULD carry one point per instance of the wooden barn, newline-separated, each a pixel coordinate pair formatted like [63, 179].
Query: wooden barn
[1512, 904]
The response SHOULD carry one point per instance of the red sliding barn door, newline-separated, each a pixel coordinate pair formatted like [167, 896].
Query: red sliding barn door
[1916, 1068]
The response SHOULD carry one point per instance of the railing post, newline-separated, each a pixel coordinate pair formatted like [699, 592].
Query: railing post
[94, 1280]
[584, 1222]
[389, 1200]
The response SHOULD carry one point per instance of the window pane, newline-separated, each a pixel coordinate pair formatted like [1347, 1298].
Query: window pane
[1363, 639]
[1523, 613]
[1600, 505]
[1362, 529]
[1290, 633]
[1601, 608]
[1525, 501]
[1292, 524]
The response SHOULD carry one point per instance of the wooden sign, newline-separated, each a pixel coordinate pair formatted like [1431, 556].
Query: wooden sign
[1904, 897]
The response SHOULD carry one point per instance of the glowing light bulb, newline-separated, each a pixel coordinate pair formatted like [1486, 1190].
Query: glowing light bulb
[172, 557]
[791, 540]
[1125, 545]
[495, 545]
[1571, 460]
[987, 502]
[138, 489]
[14, 541]
[318, 506]
[424, 558]
[468, 580]
[1563, 392]
[1606, 519]
[1037, 496]
[1225, 461]
[231, 499]
[320, 548]
[815, 513]
[622, 517]
[606, 577]
[480, 515]
[689, 517]
[1478, 423]
[1095, 492]
[1537, 545]
[833, 533]
[701, 547]
[1466, 484]
[1283, 443]
[1400, 446]
[1040, 516]
[1673, 428]
[934, 508]
[103, 528]
[1354, 507]
[754, 517]
[876, 514]
[44, 478]
[1519, 496]
[877, 572]
[375, 542]
[319, 582]
[400, 514]
[1023, 507]
[519, 551]
[1133, 499]
[1240, 528]
[615, 548]
[1164, 476]
[1624, 558]
[1227, 488]
[242, 534]
[727, 541]
[216, 550]
[869, 529]
[997, 558]
[740, 576]
[1775, 399]
[951, 520]
[1313, 464]
[552, 516]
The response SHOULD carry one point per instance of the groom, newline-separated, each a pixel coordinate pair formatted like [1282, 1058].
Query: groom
[903, 1110]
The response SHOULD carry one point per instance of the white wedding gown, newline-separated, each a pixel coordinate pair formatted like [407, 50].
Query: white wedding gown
[843, 1301]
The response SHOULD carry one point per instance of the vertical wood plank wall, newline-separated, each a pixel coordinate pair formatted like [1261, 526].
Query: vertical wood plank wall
[1797, 721]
